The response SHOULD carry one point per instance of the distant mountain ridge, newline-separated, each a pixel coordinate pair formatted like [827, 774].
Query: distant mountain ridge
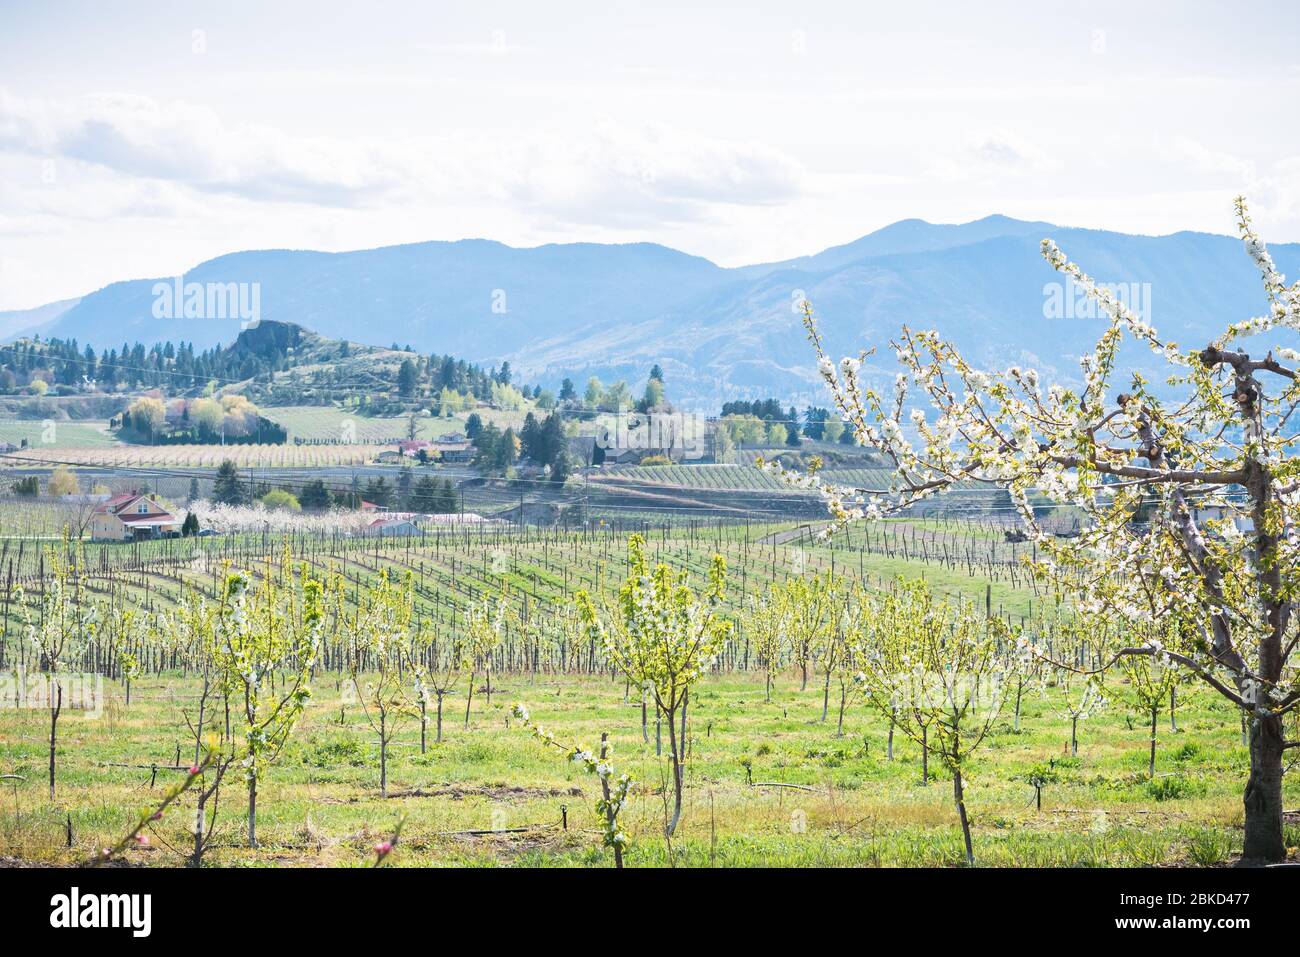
[613, 310]
[25, 322]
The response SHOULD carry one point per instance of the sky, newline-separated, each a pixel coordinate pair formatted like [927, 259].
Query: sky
[138, 140]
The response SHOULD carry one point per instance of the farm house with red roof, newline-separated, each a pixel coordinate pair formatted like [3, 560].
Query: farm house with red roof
[130, 517]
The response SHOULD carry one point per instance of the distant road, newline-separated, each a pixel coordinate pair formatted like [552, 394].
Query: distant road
[792, 534]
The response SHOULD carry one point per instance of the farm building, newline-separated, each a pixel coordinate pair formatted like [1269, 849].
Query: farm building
[396, 527]
[454, 451]
[130, 517]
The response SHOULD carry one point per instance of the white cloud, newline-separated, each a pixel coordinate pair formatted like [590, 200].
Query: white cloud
[617, 175]
[1273, 189]
[1275, 196]
[991, 155]
[1201, 159]
[626, 176]
[142, 138]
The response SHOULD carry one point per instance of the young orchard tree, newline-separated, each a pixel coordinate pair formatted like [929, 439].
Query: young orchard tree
[259, 632]
[1209, 457]
[1029, 681]
[1076, 642]
[614, 787]
[854, 636]
[831, 650]
[554, 637]
[416, 657]
[60, 629]
[812, 616]
[212, 755]
[136, 837]
[945, 672]
[123, 630]
[1151, 680]
[1082, 696]
[447, 660]
[379, 635]
[487, 622]
[193, 622]
[884, 643]
[768, 625]
[665, 637]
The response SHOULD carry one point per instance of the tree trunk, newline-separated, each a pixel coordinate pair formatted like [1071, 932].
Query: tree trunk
[686, 700]
[610, 816]
[925, 756]
[959, 798]
[677, 775]
[196, 859]
[383, 755]
[252, 806]
[1263, 797]
[55, 707]
[438, 736]
[1151, 761]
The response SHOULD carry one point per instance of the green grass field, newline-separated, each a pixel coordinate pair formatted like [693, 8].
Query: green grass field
[845, 802]
[57, 434]
[320, 804]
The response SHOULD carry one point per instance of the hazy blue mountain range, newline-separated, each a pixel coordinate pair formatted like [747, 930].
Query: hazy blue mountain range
[613, 310]
[16, 322]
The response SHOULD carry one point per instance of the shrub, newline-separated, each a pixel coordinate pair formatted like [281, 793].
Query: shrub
[63, 482]
[1208, 848]
[1173, 788]
[280, 500]
[1188, 752]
